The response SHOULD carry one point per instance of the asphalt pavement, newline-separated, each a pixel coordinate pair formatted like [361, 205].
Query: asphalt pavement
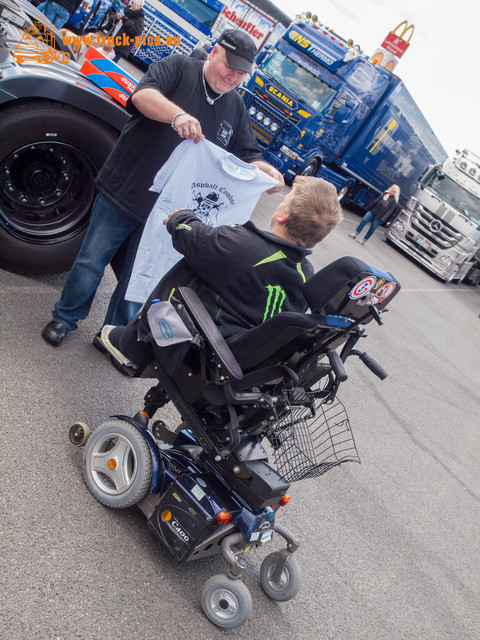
[390, 548]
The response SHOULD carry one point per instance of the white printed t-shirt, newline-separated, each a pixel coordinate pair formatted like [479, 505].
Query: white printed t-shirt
[218, 187]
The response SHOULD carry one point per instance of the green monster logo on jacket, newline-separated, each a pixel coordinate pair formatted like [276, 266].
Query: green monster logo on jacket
[276, 297]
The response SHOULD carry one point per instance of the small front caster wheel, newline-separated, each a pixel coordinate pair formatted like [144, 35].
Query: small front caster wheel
[161, 429]
[290, 579]
[226, 602]
[78, 434]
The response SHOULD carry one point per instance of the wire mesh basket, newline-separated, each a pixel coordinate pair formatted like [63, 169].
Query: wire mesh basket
[311, 438]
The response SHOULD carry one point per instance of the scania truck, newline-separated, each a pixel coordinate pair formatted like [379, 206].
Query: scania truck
[320, 107]
[440, 224]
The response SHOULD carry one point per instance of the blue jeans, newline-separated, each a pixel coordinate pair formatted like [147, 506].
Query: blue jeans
[368, 217]
[57, 14]
[109, 227]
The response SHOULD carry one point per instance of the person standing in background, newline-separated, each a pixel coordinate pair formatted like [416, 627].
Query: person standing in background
[59, 11]
[133, 24]
[381, 210]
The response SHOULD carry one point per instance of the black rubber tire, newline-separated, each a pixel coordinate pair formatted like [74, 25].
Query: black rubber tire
[108, 21]
[50, 154]
[309, 168]
[79, 433]
[343, 192]
[123, 479]
[226, 602]
[289, 583]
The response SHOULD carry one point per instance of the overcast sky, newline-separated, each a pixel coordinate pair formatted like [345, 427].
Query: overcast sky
[441, 68]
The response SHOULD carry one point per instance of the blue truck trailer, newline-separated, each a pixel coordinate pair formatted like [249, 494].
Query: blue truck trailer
[320, 107]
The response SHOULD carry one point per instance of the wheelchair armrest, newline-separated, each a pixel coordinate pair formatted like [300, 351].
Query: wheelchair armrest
[210, 333]
[249, 397]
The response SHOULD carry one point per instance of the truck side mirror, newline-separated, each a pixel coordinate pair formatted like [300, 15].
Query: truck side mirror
[263, 54]
[342, 114]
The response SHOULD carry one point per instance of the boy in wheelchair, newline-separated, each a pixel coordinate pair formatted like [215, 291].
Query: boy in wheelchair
[254, 378]
[243, 275]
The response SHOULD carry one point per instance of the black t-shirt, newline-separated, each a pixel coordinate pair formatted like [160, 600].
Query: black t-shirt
[145, 145]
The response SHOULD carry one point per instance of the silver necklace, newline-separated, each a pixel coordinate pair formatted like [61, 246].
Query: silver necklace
[209, 100]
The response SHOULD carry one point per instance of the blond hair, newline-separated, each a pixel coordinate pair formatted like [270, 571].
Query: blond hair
[314, 211]
[136, 4]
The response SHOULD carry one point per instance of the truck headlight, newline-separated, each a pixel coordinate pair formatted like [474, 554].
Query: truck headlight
[259, 115]
[288, 152]
[252, 111]
[398, 225]
[446, 260]
[273, 126]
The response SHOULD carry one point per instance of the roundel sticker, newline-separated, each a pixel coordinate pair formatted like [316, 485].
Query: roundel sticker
[362, 288]
[381, 294]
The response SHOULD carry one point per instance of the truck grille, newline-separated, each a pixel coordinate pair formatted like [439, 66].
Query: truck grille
[443, 237]
[425, 248]
[286, 124]
[155, 28]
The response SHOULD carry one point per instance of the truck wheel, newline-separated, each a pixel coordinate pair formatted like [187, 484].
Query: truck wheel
[108, 21]
[50, 154]
[309, 168]
[344, 191]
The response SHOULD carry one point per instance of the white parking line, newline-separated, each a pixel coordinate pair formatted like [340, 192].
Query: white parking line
[435, 290]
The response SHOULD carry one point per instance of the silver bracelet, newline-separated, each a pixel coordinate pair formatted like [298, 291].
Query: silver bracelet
[180, 113]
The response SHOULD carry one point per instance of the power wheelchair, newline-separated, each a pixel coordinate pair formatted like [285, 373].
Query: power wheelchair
[258, 412]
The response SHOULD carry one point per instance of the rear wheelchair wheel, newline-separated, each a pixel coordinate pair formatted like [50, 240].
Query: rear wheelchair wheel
[290, 580]
[79, 433]
[226, 602]
[117, 464]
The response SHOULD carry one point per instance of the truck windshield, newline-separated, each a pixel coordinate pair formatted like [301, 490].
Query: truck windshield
[204, 14]
[456, 196]
[307, 87]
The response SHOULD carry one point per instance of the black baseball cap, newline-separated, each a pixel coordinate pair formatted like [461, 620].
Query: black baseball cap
[240, 49]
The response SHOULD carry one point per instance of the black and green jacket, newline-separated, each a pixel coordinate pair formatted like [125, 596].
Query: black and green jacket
[242, 274]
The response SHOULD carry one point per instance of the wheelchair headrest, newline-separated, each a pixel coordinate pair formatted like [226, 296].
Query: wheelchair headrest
[346, 285]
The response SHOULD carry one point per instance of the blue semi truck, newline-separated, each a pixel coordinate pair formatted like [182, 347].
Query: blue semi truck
[320, 107]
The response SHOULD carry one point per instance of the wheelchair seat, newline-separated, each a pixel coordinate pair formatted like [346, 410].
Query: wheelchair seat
[339, 296]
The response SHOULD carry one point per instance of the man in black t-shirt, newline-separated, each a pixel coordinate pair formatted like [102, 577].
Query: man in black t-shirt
[178, 98]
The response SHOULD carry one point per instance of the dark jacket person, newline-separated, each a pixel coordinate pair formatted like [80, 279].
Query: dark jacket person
[380, 212]
[133, 25]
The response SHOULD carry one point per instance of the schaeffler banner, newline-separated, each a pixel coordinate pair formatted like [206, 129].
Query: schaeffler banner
[241, 15]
